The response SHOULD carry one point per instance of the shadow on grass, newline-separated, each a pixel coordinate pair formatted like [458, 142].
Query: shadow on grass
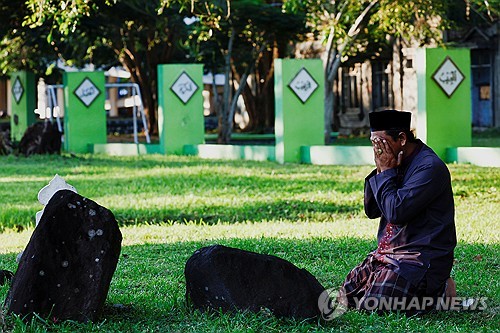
[292, 210]
[189, 197]
[92, 163]
[240, 190]
[234, 205]
[147, 291]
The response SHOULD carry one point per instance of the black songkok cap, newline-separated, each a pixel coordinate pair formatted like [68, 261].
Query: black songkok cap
[389, 120]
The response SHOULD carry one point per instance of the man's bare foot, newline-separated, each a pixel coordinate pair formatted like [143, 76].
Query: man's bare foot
[451, 288]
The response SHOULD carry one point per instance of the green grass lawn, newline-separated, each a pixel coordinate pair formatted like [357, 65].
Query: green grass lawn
[168, 207]
[486, 138]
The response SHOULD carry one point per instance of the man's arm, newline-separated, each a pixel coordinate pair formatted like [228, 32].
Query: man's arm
[401, 205]
[371, 206]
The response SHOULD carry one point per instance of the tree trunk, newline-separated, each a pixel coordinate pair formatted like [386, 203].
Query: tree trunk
[333, 62]
[234, 102]
[229, 108]
[329, 109]
[147, 81]
[266, 92]
[260, 107]
[331, 72]
[330, 120]
[215, 92]
[147, 86]
[264, 102]
[224, 135]
[241, 86]
[259, 99]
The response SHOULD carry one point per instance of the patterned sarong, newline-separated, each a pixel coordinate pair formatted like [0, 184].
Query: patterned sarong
[374, 286]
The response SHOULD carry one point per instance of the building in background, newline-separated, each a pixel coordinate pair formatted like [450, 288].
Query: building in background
[389, 80]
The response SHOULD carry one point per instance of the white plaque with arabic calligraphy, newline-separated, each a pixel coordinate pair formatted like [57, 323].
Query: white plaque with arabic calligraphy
[303, 85]
[184, 87]
[87, 92]
[17, 90]
[448, 76]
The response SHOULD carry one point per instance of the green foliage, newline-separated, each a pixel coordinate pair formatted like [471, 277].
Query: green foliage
[411, 19]
[419, 20]
[474, 12]
[311, 215]
[128, 28]
[22, 48]
[241, 39]
[104, 33]
[254, 23]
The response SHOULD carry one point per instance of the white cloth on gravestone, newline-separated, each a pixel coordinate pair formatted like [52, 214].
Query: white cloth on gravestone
[45, 194]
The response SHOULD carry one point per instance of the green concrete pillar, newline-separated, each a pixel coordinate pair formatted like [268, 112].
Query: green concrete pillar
[84, 113]
[298, 87]
[180, 107]
[444, 98]
[23, 89]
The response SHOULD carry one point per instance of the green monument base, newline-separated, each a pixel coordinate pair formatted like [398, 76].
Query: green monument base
[299, 99]
[180, 106]
[126, 149]
[23, 89]
[337, 155]
[482, 156]
[444, 98]
[85, 116]
[231, 152]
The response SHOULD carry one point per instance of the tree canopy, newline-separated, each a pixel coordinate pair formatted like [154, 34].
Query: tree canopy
[238, 38]
[134, 33]
[241, 40]
[348, 28]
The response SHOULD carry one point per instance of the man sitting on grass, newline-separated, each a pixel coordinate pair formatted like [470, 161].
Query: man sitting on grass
[410, 190]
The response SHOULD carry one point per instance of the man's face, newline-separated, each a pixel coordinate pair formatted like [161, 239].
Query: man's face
[381, 135]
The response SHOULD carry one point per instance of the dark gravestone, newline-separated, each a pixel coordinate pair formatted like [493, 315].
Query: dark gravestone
[5, 143]
[5, 277]
[41, 138]
[219, 277]
[66, 269]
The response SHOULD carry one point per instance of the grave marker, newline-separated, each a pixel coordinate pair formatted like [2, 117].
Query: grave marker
[298, 86]
[23, 103]
[180, 107]
[85, 116]
[444, 98]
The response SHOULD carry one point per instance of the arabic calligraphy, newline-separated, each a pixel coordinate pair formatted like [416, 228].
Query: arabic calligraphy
[303, 85]
[448, 77]
[17, 90]
[89, 91]
[185, 87]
